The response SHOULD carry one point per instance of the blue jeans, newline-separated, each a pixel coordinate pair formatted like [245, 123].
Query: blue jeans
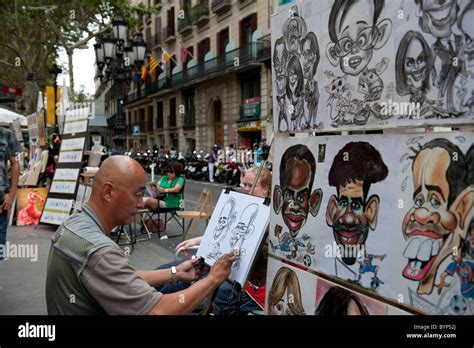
[225, 302]
[3, 233]
[170, 288]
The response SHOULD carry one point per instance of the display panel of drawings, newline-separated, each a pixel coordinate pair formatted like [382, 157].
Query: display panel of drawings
[336, 300]
[239, 221]
[296, 39]
[434, 62]
[358, 63]
[297, 197]
[65, 180]
[289, 290]
[435, 233]
[74, 127]
[359, 211]
[82, 197]
[56, 211]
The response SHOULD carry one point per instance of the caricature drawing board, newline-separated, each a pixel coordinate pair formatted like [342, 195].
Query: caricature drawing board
[239, 221]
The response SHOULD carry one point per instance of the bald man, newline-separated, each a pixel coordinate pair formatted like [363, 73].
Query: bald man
[88, 273]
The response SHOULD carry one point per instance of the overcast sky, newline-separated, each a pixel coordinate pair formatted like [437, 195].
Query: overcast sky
[83, 63]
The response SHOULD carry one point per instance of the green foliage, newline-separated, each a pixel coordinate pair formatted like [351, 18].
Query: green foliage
[197, 11]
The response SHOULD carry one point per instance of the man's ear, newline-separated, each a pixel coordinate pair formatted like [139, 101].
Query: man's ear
[331, 210]
[384, 29]
[277, 199]
[315, 201]
[371, 210]
[463, 210]
[331, 54]
[107, 190]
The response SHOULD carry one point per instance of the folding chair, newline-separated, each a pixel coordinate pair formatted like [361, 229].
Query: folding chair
[202, 211]
[147, 215]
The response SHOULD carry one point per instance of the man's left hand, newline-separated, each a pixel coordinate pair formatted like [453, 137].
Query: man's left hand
[186, 271]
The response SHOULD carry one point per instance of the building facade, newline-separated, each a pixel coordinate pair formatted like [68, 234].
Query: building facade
[215, 88]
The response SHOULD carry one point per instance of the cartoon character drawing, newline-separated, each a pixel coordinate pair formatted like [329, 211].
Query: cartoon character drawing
[366, 266]
[294, 197]
[339, 99]
[280, 60]
[310, 54]
[282, 112]
[355, 32]
[442, 209]
[244, 228]
[353, 212]
[284, 297]
[294, 93]
[463, 269]
[226, 219]
[294, 29]
[30, 215]
[437, 18]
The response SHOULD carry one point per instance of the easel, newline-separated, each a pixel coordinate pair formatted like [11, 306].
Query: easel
[236, 286]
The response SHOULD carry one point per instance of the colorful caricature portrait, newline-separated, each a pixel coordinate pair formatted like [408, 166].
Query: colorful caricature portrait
[294, 197]
[338, 301]
[285, 294]
[356, 30]
[442, 209]
[353, 211]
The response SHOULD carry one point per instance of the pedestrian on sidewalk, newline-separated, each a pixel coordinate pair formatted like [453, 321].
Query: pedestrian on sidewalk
[9, 148]
[212, 162]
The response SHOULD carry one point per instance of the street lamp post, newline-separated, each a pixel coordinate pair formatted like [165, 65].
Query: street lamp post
[55, 71]
[117, 60]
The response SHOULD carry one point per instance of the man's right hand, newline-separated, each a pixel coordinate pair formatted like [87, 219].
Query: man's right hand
[221, 269]
[185, 245]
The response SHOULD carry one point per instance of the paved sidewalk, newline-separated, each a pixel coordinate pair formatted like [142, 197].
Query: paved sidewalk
[22, 281]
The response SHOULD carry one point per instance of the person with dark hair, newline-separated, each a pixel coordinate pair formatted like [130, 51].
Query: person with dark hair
[442, 209]
[447, 48]
[295, 198]
[463, 269]
[311, 56]
[338, 301]
[352, 213]
[355, 31]
[280, 60]
[414, 64]
[170, 185]
[294, 92]
[285, 282]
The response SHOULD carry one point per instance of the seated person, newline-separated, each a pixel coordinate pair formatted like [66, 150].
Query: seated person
[225, 302]
[85, 262]
[170, 185]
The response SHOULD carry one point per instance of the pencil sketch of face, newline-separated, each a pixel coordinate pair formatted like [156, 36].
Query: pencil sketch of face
[245, 226]
[226, 219]
[355, 33]
[310, 54]
[438, 16]
[468, 29]
[280, 59]
[294, 29]
[415, 64]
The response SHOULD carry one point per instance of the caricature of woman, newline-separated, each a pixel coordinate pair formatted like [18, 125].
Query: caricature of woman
[294, 92]
[285, 294]
[339, 301]
[414, 64]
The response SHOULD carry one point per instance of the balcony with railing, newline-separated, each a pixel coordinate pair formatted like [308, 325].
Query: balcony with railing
[220, 6]
[156, 41]
[199, 14]
[185, 26]
[169, 33]
[251, 53]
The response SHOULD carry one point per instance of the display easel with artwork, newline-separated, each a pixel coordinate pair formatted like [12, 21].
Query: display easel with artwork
[63, 192]
[365, 216]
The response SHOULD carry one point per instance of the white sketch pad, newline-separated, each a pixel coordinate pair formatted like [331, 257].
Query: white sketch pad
[236, 209]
